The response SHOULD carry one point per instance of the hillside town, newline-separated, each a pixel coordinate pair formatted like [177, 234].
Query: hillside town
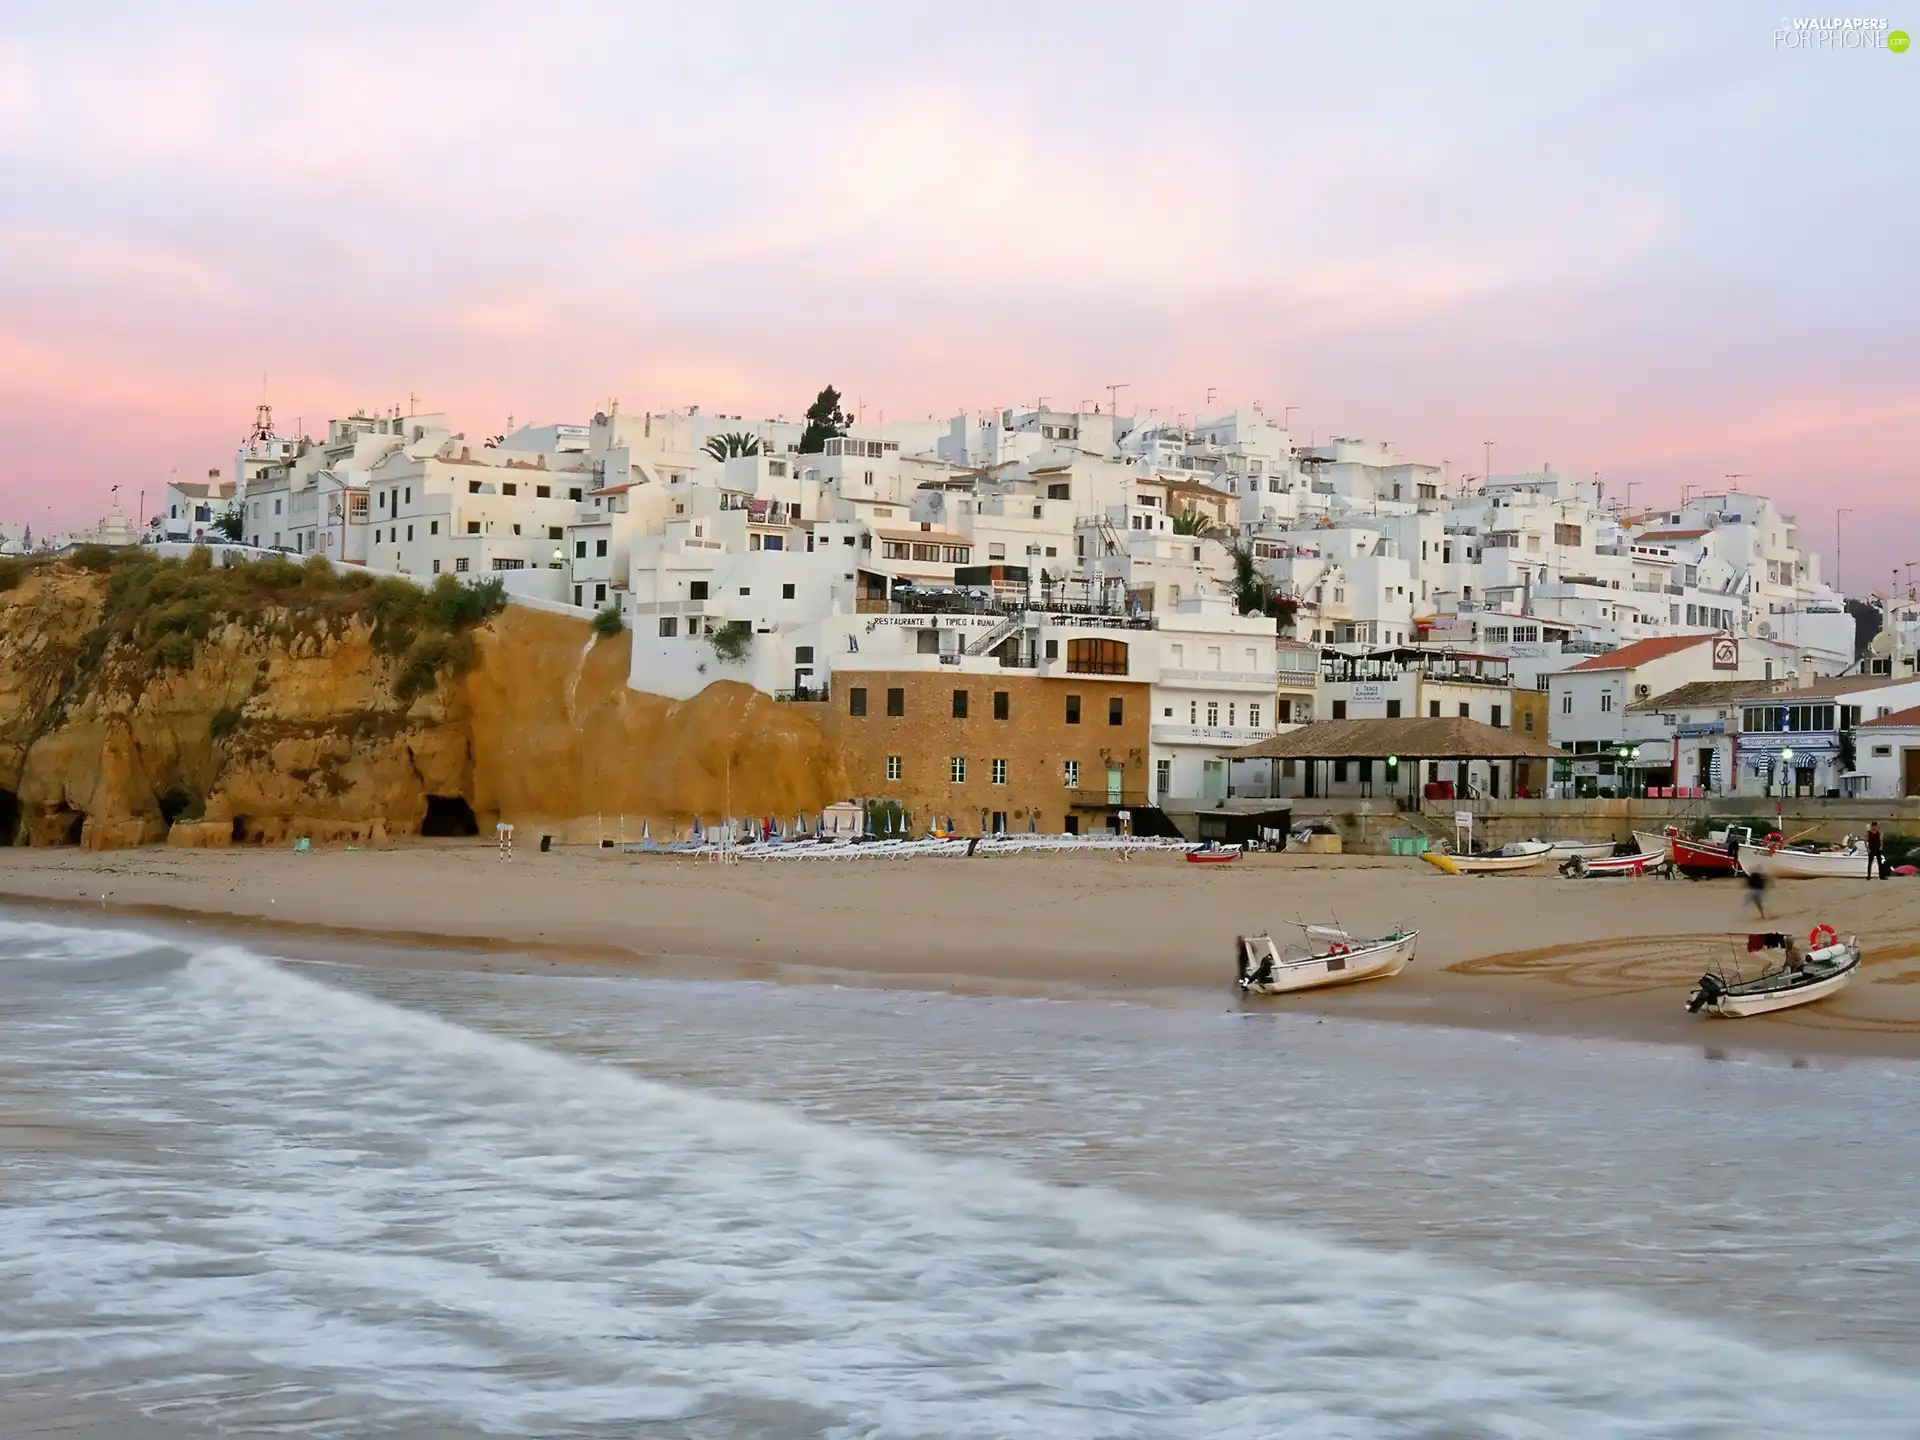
[1067, 620]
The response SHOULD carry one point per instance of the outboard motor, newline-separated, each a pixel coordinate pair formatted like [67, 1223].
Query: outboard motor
[1710, 989]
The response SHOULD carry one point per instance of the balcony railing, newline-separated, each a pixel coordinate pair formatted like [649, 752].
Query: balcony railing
[1107, 799]
[1257, 678]
[805, 693]
[1172, 734]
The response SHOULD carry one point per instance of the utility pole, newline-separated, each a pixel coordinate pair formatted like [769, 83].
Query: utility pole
[1842, 510]
[1486, 473]
[1113, 396]
[1211, 392]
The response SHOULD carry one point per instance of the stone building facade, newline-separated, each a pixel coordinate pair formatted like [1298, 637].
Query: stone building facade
[1006, 751]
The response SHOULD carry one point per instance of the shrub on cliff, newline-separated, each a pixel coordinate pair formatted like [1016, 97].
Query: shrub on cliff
[606, 623]
[453, 604]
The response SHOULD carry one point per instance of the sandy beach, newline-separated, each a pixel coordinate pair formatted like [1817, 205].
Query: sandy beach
[1526, 953]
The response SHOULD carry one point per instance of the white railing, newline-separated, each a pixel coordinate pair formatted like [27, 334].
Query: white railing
[1172, 734]
[1218, 677]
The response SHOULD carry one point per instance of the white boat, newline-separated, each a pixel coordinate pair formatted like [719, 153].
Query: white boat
[1585, 849]
[1651, 844]
[1799, 980]
[1521, 855]
[1580, 867]
[1329, 957]
[1784, 862]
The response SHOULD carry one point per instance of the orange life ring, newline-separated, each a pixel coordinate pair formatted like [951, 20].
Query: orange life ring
[1339, 947]
[1814, 940]
[1774, 841]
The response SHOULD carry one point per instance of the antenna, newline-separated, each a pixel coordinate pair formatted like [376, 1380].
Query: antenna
[1113, 396]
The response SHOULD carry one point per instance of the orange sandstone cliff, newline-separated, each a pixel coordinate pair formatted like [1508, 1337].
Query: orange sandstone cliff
[283, 723]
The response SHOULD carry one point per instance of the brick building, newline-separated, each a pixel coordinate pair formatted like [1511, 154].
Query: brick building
[1006, 751]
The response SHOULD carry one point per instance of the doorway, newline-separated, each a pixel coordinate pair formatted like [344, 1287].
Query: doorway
[1116, 784]
[1213, 780]
[1910, 772]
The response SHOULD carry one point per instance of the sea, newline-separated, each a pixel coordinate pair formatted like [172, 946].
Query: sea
[243, 1194]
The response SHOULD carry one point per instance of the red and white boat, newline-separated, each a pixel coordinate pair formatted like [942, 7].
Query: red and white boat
[1580, 865]
[1211, 854]
[1696, 858]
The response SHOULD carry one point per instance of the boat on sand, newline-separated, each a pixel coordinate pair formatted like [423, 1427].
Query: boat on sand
[1579, 866]
[1329, 956]
[1521, 855]
[1800, 978]
[1211, 854]
[1780, 861]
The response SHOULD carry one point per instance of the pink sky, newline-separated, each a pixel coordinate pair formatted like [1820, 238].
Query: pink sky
[1621, 242]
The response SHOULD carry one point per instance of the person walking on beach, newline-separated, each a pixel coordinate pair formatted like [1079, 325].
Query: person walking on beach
[1876, 866]
[1756, 894]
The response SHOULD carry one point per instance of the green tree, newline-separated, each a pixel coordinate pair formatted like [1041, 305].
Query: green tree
[825, 419]
[733, 442]
[1192, 522]
[228, 522]
[1250, 591]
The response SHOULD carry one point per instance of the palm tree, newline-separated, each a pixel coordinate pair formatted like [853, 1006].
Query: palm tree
[1192, 522]
[731, 443]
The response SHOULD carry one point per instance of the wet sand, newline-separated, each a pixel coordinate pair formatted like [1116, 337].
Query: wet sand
[1522, 953]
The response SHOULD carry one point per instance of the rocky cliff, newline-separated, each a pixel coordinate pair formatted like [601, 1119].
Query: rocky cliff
[136, 708]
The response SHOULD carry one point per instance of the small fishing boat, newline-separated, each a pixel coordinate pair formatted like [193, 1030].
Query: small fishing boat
[1329, 956]
[1780, 861]
[1211, 854]
[1586, 849]
[1579, 866]
[1698, 859]
[1799, 979]
[1521, 855]
[1652, 844]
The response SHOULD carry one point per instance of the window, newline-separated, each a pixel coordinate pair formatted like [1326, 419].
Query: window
[554, 532]
[408, 494]
[460, 563]
[1339, 709]
[696, 590]
[1072, 771]
[996, 552]
[1253, 716]
[1393, 709]
[1162, 778]
[670, 627]
[436, 567]
[516, 529]
[803, 654]
[1097, 657]
[1433, 709]
[599, 546]
[1566, 703]
[857, 701]
[1073, 709]
[959, 704]
[1464, 713]
[786, 592]
[999, 772]
[1529, 722]
[433, 527]
[1053, 649]
[1339, 770]
[600, 594]
[896, 701]
[543, 492]
[1606, 701]
[509, 488]
[1566, 534]
[573, 494]
[1496, 717]
[579, 549]
[409, 532]
[957, 770]
[746, 590]
[1116, 711]
[473, 487]
[473, 527]
[893, 766]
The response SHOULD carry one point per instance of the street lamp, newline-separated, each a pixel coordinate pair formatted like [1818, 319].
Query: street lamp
[1786, 764]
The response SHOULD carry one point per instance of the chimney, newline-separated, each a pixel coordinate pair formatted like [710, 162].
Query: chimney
[1803, 673]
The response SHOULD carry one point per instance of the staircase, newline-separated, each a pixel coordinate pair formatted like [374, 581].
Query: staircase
[990, 641]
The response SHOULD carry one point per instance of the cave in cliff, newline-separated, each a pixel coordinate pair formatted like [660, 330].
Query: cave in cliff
[449, 815]
[9, 816]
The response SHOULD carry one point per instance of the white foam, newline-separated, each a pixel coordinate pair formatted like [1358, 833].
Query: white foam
[453, 1220]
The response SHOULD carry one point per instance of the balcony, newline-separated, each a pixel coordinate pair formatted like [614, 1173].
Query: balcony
[1238, 679]
[1221, 735]
[806, 694]
[1107, 799]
